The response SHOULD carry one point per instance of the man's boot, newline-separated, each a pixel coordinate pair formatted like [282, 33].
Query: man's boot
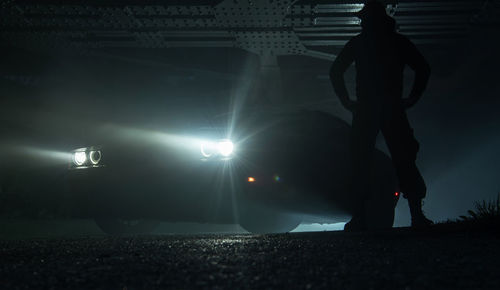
[358, 220]
[356, 224]
[418, 219]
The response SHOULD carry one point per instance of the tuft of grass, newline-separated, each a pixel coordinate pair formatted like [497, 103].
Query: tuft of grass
[484, 210]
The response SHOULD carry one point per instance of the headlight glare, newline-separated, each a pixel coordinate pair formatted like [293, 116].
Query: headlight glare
[225, 147]
[79, 157]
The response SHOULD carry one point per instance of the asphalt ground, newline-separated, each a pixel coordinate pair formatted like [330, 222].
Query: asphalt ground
[396, 259]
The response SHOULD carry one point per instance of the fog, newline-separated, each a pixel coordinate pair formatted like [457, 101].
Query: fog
[50, 104]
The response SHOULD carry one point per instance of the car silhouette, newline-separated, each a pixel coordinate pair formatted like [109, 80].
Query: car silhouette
[266, 171]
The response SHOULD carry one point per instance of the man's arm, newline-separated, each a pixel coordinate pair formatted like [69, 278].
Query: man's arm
[340, 65]
[417, 62]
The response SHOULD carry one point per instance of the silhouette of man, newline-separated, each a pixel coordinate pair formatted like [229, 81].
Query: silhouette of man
[380, 55]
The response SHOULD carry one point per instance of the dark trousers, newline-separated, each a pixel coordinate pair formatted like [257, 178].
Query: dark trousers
[366, 124]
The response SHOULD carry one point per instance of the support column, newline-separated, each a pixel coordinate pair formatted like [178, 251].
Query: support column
[270, 86]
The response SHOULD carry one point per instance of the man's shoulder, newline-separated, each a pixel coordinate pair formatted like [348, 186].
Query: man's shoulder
[356, 37]
[401, 38]
[355, 40]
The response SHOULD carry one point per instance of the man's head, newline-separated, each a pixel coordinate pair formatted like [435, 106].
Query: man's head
[374, 18]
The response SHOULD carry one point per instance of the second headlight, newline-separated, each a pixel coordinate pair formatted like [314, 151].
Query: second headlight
[86, 157]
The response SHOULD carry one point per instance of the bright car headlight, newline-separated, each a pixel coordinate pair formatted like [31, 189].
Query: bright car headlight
[87, 157]
[207, 149]
[95, 156]
[225, 147]
[80, 157]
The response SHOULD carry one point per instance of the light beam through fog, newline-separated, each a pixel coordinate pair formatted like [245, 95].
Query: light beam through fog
[141, 136]
[20, 153]
[46, 154]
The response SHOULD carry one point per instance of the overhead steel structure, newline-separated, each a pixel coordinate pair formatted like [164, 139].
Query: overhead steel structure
[268, 28]
[264, 27]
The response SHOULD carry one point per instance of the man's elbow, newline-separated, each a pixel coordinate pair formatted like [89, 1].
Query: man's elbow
[336, 72]
[426, 69]
[423, 73]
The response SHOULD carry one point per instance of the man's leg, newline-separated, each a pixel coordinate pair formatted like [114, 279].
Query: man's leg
[364, 131]
[404, 147]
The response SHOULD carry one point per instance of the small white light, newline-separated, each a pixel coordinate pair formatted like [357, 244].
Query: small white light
[225, 147]
[79, 157]
[207, 149]
[95, 156]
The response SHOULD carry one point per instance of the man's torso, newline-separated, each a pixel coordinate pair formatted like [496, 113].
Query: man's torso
[379, 65]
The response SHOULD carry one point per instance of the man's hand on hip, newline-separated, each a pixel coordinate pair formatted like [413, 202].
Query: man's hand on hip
[409, 102]
[350, 105]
